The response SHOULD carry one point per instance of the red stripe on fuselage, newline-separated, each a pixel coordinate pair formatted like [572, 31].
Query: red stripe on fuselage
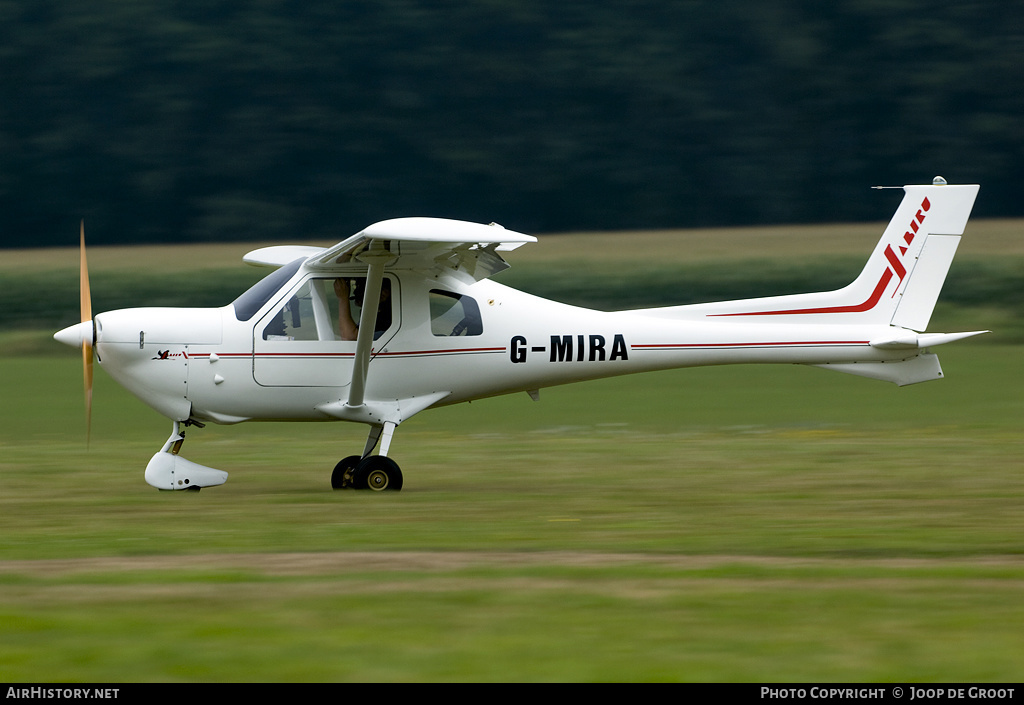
[400, 353]
[855, 308]
[766, 344]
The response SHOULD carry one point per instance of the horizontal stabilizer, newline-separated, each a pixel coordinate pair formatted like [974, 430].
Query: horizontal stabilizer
[927, 340]
[909, 340]
[922, 368]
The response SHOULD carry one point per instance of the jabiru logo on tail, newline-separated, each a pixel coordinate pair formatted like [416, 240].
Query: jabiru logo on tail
[896, 267]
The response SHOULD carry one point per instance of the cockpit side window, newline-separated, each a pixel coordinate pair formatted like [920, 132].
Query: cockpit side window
[248, 304]
[310, 314]
[454, 314]
[328, 308]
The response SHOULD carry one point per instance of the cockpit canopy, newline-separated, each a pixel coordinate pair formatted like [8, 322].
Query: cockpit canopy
[249, 303]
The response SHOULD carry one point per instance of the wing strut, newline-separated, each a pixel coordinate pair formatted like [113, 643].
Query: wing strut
[376, 258]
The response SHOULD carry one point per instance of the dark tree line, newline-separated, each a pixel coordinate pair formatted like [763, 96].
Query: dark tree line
[272, 120]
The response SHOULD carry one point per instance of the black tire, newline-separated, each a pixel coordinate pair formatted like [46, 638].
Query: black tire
[344, 472]
[378, 473]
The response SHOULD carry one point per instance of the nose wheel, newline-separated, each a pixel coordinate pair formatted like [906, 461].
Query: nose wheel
[375, 472]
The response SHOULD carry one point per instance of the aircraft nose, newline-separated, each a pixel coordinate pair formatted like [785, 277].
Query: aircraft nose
[75, 335]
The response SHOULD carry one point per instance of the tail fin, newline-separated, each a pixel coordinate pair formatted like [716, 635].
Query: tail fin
[938, 229]
[909, 265]
[901, 280]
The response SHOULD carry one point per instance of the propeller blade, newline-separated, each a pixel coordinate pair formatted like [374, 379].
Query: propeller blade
[86, 298]
[87, 341]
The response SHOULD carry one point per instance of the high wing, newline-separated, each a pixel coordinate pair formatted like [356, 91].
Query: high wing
[468, 251]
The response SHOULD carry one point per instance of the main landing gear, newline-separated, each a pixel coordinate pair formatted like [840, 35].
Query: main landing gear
[375, 472]
[370, 472]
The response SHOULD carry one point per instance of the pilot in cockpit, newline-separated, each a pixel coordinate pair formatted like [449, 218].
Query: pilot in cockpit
[348, 328]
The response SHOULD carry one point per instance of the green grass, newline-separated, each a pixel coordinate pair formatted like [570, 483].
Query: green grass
[726, 524]
[511, 621]
[733, 524]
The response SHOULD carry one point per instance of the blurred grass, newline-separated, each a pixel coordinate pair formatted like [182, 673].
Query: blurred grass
[736, 524]
[722, 524]
[504, 622]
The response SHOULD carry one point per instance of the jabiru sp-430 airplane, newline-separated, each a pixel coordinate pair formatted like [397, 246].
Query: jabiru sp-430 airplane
[403, 317]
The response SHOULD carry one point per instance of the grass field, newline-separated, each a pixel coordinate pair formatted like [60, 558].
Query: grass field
[730, 524]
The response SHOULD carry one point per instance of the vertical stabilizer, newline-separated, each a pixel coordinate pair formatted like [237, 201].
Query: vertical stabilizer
[916, 250]
[900, 282]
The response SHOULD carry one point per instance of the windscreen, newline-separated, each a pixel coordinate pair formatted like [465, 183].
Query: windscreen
[253, 300]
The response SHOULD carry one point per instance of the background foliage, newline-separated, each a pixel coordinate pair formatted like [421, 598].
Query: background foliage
[215, 121]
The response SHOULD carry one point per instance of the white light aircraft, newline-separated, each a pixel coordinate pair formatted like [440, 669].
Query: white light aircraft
[403, 317]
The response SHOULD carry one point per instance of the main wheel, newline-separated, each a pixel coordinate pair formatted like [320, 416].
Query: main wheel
[344, 471]
[377, 473]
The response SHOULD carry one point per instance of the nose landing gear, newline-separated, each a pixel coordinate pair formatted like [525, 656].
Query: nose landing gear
[169, 471]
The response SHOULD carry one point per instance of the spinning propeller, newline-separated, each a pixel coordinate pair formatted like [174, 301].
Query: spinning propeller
[83, 334]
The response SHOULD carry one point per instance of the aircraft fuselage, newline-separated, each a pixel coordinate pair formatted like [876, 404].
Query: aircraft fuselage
[207, 365]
